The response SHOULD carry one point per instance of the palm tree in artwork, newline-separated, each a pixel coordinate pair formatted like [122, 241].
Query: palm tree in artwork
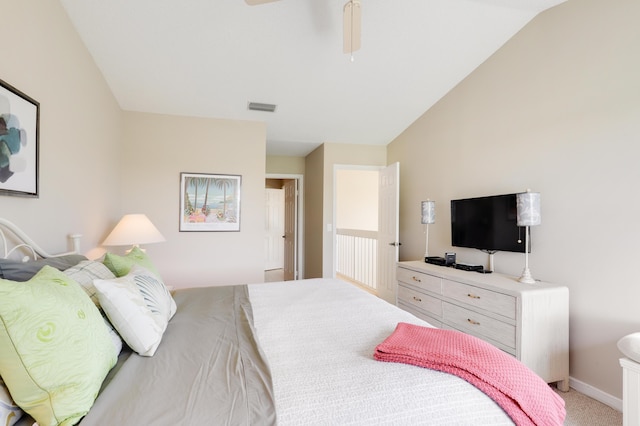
[202, 183]
[195, 182]
[223, 184]
[198, 183]
[188, 207]
[205, 208]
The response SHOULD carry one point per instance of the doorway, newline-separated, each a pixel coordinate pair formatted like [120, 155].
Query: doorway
[356, 230]
[367, 255]
[284, 237]
[274, 222]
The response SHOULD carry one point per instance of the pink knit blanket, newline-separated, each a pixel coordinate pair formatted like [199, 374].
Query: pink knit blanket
[522, 394]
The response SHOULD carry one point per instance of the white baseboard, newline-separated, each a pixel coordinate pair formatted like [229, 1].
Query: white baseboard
[595, 393]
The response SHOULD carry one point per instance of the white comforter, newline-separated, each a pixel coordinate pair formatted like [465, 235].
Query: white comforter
[319, 336]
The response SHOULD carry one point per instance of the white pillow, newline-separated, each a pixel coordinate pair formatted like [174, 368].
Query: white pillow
[10, 413]
[139, 307]
[630, 346]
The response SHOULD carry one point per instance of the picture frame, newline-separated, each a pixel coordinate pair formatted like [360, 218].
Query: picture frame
[19, 142]
[209, 202]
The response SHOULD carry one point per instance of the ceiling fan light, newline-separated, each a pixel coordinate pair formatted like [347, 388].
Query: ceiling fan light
[351, 26]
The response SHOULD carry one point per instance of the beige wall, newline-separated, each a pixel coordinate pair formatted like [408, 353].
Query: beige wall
[557, 110]
[357, 199]
[285, 165]
[313, 220]
[156, 149]
[80, 127]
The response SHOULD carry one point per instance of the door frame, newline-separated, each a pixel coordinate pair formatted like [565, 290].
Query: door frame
[299, 214]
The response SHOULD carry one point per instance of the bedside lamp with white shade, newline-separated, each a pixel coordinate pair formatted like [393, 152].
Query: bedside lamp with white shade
[528, 214]
[133, 230]
[428, 216]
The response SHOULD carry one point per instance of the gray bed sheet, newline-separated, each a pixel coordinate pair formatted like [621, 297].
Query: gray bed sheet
[208, 370]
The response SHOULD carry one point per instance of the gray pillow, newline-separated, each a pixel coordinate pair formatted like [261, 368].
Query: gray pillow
[23, 271]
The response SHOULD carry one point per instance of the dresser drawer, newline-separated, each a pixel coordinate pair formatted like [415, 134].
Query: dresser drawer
[418, 279]
[429, 304]
[499, 303]
[411, 309]
[479, 325]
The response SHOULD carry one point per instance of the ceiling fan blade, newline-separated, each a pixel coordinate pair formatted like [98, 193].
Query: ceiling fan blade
[257, 2]
[351, 26]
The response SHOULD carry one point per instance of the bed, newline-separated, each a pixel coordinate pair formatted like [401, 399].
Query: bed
[285, 353]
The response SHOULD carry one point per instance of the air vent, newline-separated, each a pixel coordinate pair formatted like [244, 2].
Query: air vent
[257, 106]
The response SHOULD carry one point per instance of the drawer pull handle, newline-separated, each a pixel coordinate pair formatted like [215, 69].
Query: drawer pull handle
[417, 299]
[416, 279]
[470, 321]
[473, 296]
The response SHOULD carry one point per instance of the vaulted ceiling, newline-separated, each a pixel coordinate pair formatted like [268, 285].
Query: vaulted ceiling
[210, 58]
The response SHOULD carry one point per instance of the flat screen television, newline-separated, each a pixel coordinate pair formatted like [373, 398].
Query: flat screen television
[487, 223]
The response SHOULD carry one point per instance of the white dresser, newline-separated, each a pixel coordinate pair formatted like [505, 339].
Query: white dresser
[528, 321]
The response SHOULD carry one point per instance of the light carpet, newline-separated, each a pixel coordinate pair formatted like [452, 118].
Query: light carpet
[583, 411]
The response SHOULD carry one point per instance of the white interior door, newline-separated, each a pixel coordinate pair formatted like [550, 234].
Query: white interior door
[388, 231]
[274, 241]
[290, 226]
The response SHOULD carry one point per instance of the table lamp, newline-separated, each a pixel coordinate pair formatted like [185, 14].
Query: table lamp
[528, 214]
[133, 230]
[428, 216]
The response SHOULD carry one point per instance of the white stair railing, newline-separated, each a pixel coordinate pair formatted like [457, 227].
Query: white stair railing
[356, 258]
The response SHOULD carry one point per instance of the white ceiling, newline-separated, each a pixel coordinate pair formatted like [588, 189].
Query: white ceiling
[209, 58]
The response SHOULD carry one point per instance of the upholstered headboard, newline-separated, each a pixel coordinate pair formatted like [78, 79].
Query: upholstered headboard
[14, 241]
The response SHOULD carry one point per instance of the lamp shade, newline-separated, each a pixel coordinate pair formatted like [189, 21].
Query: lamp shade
[428, 212]
[528, 208]
[133, 229]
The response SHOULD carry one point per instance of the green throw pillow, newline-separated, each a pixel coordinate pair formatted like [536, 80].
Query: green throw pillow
[121, 265]
[55, 349]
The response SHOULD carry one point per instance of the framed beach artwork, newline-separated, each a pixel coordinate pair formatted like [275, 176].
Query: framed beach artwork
[19, 126]
[209, 202]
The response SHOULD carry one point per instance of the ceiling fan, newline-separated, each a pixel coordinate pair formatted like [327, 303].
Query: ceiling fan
[351, 15]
